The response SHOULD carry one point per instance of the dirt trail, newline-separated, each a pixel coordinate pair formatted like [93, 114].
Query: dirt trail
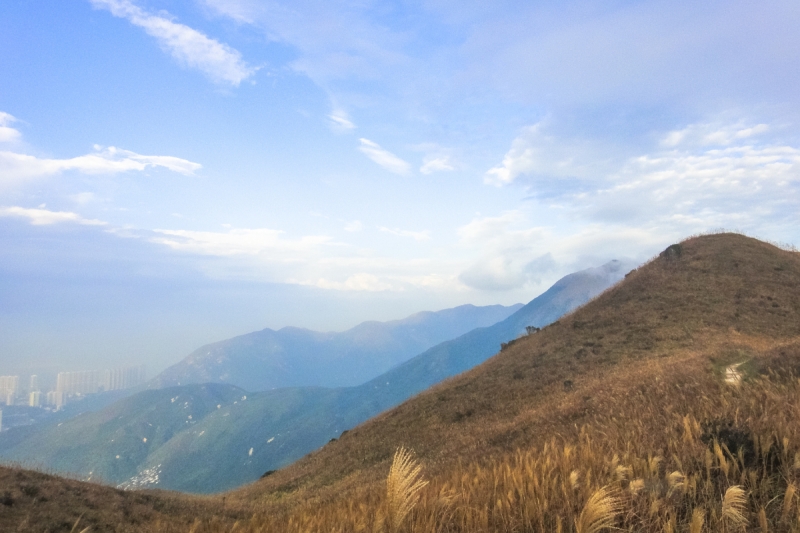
[732, 374]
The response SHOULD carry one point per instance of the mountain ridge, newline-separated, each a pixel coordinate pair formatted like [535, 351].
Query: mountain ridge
[628, 392]
[708, 294]
[293, 356]
[251, 433]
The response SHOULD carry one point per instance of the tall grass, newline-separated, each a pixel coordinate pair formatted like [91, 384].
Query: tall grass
[402, 488]
[660, 458]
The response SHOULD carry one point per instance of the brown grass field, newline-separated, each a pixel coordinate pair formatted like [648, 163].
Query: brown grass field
[619, 416]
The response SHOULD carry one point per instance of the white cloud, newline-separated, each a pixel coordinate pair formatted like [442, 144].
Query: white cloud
[83, 198]
[356, 282]
[7, 133]
[712, 134]
[333, 40]
[340, 121]
[384, 158]
[218, 61]
[736, 187]
[45, 217]
[520, 159]
[704, 176]
[433, 164]
[315, 260]
[247, 242]
[17, 167]
[508, 230]
[416, 235]
[543, 156]
[513, 254]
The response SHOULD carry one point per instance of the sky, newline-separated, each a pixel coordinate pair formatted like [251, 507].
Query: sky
[175, 173]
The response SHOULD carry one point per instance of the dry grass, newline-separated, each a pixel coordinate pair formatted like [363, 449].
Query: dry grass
[646, 462]
[649, 438]
[402, 488]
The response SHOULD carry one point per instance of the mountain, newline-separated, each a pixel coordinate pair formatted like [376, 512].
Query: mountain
[672, 329]
[252, 433]
[292, 357]
[668, 403]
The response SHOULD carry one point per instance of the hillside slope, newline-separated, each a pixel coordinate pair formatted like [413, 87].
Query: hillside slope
[725, 296]
[274, 428]
[624, 401]
[111, 445]
[292, 357]
[252, 433]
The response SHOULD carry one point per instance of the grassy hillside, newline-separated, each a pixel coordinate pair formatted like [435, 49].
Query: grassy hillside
[293, 357]
[708, 302]
[669, 403]
[112, 444]
[252, 433]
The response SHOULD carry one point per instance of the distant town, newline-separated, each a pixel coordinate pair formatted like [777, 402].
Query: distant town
[70, 387]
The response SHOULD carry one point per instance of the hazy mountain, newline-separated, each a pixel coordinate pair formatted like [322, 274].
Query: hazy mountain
[202, 449]
[292, 356]
[621, 375]
[642, 369]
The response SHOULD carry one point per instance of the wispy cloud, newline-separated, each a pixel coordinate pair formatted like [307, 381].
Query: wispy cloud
[340, 121]
[512, 253]
[416, 235]
[707, 175]
[245, 241]
[18, 167]
[44, 217]
[712, 134]
[433, 164]
[191, 48]
[384, 158]
[311, 260]
[7, 133]
[83, 198]
[738, 186]
[539, 154]
[357, 282]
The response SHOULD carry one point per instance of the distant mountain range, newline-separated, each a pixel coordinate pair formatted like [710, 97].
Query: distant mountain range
[292, 357]
[211, 437]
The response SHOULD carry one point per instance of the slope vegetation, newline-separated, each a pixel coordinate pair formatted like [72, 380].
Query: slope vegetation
[248, 434]
[618, 415]
[705, 302]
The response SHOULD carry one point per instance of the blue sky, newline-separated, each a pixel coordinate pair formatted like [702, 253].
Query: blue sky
[173, 173]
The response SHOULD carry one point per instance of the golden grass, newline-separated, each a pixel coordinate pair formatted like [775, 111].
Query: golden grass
[650, 438]
[650, 460]
[734, 505]
[599, 512]
[402, 488]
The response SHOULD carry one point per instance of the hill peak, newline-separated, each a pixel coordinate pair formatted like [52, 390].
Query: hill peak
[722, 294]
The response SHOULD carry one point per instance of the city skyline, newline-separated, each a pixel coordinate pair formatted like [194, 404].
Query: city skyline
[68, 384]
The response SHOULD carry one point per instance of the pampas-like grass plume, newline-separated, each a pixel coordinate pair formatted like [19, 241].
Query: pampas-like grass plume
[698, 517]
[788, 499]
[733, 506]
[598, 513]
[402, 487]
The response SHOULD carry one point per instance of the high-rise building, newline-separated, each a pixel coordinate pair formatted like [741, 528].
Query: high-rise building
[1, 420]
[56, 399]
[122, 378]
[35, 399]
[83, 382]
[34, 385]
[9, 386]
